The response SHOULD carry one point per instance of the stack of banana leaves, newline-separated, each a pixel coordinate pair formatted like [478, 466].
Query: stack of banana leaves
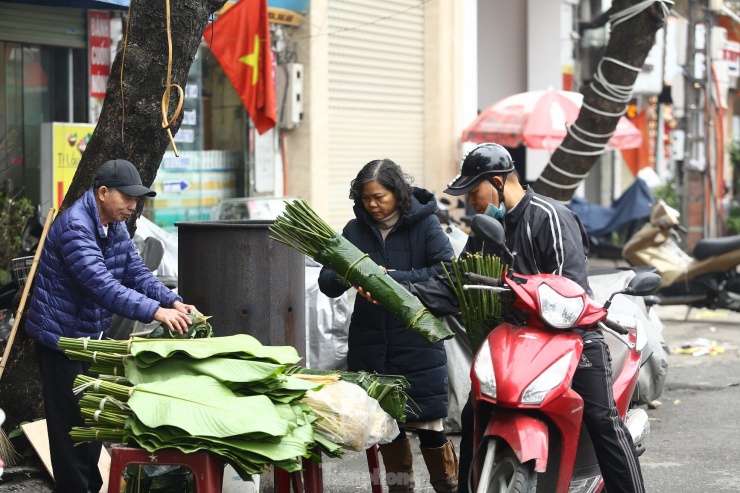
[301, 228]
[229, 395]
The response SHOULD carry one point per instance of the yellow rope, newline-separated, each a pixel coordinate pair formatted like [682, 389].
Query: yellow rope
[417, 316]
[167, 125]
[352, 265]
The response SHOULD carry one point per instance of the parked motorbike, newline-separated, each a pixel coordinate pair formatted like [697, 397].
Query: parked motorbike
[706, 279]
[30, 236]
[450, 225]
[528, 421]
[620, 221]
[654, 357]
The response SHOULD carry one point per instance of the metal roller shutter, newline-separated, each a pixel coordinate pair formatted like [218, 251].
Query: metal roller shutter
[53, 26]
[376, 92]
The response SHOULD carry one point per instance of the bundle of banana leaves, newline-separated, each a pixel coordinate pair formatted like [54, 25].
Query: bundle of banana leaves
[480, 309]
[388, 390]
[198, 328]
[229, 395]
[301, 228]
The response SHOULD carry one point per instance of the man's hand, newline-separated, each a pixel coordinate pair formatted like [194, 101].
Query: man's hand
[183, 308]
[173, 318]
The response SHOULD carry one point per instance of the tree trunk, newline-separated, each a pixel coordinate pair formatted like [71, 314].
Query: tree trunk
[130, 124]
[140, 139]
[629, 42]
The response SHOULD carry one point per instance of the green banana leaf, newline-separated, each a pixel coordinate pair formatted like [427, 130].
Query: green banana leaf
[149, 351]
[226, 370]
[357, 269]
[203, 406]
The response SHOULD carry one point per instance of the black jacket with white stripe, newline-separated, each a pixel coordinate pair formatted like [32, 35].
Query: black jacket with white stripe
[545, 237]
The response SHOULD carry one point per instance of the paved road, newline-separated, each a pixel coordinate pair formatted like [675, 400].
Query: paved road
[694, 445]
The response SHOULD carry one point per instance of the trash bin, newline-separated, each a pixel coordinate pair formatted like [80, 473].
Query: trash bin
[247, 282]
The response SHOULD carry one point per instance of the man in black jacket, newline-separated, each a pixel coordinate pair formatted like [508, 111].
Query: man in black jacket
[545, 237]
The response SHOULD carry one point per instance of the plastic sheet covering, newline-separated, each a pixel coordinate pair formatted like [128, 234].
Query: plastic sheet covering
[145, 229]
[653, 372]
[459, 361]
[327, 323]
[350, 417]
[356, 268]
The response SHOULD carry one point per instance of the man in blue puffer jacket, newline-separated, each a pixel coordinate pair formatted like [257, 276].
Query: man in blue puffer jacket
[89, 269]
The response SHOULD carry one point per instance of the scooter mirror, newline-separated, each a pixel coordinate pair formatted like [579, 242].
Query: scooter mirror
[492, 231]
[488, 229]
[643, 284]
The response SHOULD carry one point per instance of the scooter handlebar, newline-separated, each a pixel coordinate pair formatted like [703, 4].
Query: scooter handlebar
[616, 327]
[485, 280]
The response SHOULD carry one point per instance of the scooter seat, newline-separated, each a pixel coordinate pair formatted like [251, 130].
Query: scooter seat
[716, 246]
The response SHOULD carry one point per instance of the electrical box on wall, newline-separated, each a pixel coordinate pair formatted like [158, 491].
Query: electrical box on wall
[292, 113]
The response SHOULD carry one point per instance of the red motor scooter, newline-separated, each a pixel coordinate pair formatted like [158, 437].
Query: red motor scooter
[528, 433]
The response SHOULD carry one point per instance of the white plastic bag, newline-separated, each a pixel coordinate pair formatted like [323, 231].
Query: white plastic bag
[350, 417]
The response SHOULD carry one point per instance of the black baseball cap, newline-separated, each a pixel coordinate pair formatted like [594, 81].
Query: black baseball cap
[122, 175]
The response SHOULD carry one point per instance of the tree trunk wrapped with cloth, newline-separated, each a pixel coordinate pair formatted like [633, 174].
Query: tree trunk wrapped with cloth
[301, 228]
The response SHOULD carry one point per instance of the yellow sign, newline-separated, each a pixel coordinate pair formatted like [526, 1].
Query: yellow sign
[284, 16]
[69, 140]
[276, 15]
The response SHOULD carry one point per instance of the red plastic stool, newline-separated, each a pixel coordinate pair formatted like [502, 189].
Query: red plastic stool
[208, 470]
[313, 475]
[373, 463]
[313, 479]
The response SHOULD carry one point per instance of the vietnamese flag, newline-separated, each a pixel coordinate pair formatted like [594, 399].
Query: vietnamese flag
[240, 41]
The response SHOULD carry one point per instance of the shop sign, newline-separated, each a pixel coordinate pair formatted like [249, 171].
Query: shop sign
[68, 142]
[731, 54]
[98, 43]
[175, 186]
[286, 12]
[300, 6]
[282, 16]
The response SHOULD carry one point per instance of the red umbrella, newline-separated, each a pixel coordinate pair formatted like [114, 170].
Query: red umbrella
[538, 119]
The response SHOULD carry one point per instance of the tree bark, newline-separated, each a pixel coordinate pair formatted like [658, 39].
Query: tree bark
[629, 42]
[138, 136]
[130, 124]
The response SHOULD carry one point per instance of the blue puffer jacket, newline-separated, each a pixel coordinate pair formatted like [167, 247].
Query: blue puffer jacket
[378, 341]
[84, 275]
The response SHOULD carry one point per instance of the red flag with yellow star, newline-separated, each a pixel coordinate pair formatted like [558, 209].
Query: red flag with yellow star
[240, 41]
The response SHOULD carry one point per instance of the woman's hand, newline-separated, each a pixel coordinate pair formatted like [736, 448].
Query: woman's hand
[366, 295]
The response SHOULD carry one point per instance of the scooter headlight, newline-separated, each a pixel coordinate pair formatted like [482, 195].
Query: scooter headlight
[556, 309]
[483, 368]
[548, 380]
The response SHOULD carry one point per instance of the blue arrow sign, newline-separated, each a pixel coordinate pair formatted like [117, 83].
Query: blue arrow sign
[175, 186]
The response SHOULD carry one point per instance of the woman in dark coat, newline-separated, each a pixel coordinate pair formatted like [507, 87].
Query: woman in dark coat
[396, 226]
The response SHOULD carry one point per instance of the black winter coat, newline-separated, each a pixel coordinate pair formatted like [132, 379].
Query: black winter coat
[378, 341]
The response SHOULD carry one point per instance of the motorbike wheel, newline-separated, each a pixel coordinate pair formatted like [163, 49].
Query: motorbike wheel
[504, 473]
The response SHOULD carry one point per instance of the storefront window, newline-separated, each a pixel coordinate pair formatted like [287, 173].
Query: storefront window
[11, 115]
[37, 84]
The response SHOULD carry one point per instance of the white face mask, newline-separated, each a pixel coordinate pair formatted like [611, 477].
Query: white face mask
[495, 212]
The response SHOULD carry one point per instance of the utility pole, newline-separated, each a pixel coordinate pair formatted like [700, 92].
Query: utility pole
[702, 185]
[692, 204]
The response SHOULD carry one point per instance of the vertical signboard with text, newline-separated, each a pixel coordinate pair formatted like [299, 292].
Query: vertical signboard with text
[98, 47]
[62, 145]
